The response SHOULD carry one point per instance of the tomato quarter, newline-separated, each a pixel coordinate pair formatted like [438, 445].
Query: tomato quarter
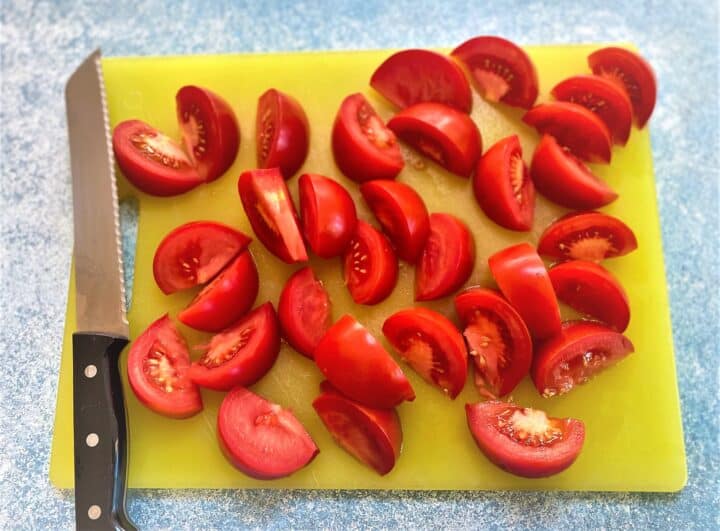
[370, 265]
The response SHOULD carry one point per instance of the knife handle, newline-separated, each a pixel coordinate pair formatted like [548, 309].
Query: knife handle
[100, 427]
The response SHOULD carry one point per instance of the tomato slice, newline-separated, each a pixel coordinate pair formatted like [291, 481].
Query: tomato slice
[590, 236]
[524, 441]
[282, 133]
[370, 265]
[328, 214]
[272, 214]
[241, 354]
[157, 366]
[402, 215]
[447, 260]
[575, 127]
[151, 161]
[260, 438]
[632, 73]
[593, 290]
[523, 279]
[415, 76]
[431, 345]
[498, 340]
[604, 98]
[446, 135]
[227, 298]
[363, 147]
[209, 129]
[503, 187]
[579, 352]
[304, 311]
[373, 436]
[359, 367]
[565, 180]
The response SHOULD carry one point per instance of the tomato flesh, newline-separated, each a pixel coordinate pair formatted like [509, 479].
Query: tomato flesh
[370, 265]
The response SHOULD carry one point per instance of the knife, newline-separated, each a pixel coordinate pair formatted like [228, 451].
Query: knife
[100, 425]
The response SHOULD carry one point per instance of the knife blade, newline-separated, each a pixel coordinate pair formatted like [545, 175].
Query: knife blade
[99, 419]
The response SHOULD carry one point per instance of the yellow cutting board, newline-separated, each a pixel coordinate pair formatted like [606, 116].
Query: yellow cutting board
[634, 433]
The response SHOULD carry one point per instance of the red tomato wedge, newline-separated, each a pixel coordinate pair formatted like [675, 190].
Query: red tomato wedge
[575, 127]
[260, 438]
[282, 133]
[503, 187]
[328, 215]
[500, 69]
[580, 351]
[363, 147]
[565, 180]
[591, 236]
[227, 298]
[241, 354]
[402, 215]
[632, 73]
[497, 338]
[194, 253]
[157, 366]
[591, 289]
[415, 76]
[359, 367]
[431, 345]
[442, 133]
[370, 265]
[524, 281]
[604, 98]
[304, 310]
[373, 436]
[524, 441]
[447, 259]
[272, 214]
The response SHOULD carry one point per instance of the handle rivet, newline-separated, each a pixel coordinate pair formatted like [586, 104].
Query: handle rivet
[92, 440]
[90, 371]
[94, 512]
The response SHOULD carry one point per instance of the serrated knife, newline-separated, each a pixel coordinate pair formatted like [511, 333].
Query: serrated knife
[100, 425]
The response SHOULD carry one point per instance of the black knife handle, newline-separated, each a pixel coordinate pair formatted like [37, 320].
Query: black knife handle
[100, 433]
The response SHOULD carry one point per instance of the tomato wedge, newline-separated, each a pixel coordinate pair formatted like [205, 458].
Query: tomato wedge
[359, 367]
[524, 441]
[575, 127]
[415, 76]
[304, 311]
[370, 265]
[373, 436]
[503, 187]
[565, 180]
[500, 69]
[580, 351]
[272, 214]
[260, 438]
[591, 236]
[157, 366]
[447, 260]
[241, 354]
[402, 215]
[282, 133]
[498, 340]
[446, 135]
[363, 147]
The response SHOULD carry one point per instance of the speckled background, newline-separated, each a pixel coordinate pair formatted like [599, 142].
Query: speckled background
[41, 42]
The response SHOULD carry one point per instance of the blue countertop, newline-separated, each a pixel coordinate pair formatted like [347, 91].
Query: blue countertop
[42, 42]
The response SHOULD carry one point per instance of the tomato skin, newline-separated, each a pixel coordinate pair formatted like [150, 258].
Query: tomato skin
[359, 156]
[446, 135]
[227, 298]
[402, 215]
[565, 180]
[359, 367]
[370, 265]
[183, 400]
[415, 76]
[506, 201]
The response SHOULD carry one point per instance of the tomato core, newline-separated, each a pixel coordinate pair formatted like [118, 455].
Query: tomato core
[531, 427]
[194, 133]
[494, 78]
[418, 351]
[577, 371]
[160, 369]
[226, 350]
[488, 340]
[373, 128]
[161, 149]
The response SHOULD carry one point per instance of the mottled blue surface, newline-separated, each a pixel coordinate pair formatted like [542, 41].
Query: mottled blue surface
[41, 43]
